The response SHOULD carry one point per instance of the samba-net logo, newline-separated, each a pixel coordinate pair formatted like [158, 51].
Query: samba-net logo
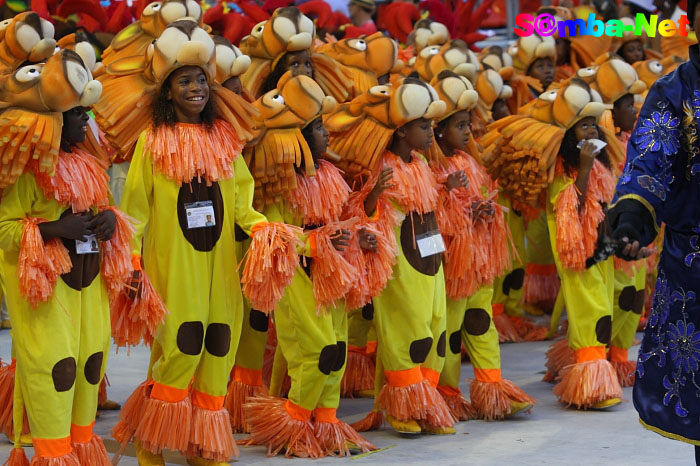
[547, 25]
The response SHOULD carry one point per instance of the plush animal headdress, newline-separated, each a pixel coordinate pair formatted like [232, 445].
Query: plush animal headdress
[453, 56]
[629, 36]
[427, 32]
[362, 129]
[131, 84]
[25, 38]
[528, 49]
[615, 78]
[498, 59]
[649, 70]
[490, 87]
[521, 150]
[230, 61]
[133, 40]
[34, 98]
[79, 43]
[284, 112]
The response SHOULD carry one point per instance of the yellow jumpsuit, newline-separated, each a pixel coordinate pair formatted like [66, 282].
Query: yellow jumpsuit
[630, 296]
[194, 272]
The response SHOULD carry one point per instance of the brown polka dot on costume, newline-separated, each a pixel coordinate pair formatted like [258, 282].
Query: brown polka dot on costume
[239, 235]
[603, 329]
[442, 345]
[63, 374]
[340, 356]
[85, 267]
[93, 368]
[202, 239]
[456, 342]
[413, 225]
[627, 297]
[476, 321]
[258, 320]
[513, 281]
[218, 339]
[326, 359]
[419, 350]
[368, 311]
[639, 300]
[190, 337]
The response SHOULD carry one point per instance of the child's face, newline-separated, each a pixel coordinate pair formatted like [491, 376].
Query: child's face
[189, 93]
[586, 128]
[299, 63]
[419, 134]
[499, 109]
[74, 126]
[624, 113]
[234, 85]
[455, 133]
[319, 137]
[542, 69]
[632, 51]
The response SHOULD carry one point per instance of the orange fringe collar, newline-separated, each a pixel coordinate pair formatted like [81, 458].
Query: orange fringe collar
[414, 185]
[186, 151]
[320, 198]
[79, 180]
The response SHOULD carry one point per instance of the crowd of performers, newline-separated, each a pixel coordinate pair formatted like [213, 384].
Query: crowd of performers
[314, 214]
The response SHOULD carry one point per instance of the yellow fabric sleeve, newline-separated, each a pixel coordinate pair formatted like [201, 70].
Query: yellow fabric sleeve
[17, 201]
[138, 193]
[246, 216]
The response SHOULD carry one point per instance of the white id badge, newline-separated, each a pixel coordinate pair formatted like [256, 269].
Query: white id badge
[200, 214]
[430, 243]
[89, 246]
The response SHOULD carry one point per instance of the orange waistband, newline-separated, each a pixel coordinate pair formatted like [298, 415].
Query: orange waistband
[431, 375]
[618, 354]
[252, 377]
[404, 378]
[81, 434]
[357, 349]
[590, 353]
[540, 269]
[371, 347]
[205, 401]
[326, 415]
[167, 393]
[498, 308]
[51, 447]
[297, 412]
[487, 375]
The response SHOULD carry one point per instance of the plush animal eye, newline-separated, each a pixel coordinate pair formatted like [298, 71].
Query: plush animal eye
[278, 98]
[655, 67]
[429, 51]
[28, 73]
[359, 44]
[151, 9]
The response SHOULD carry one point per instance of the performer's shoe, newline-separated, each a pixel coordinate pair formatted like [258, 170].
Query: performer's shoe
[439, 430]
[6, 324]
[409, 427]
[517, 407]
[146, 458]
[605, 404]
[203, 462]
[109, 405]
[364, 394]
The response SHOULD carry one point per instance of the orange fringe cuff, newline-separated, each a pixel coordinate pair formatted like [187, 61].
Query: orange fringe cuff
[69, 459]
[40, 263]
[271, 263]
[460, 408]
[373, 421]
[491, 400]
[92, 452]
[131, 412]
[335, 436]
[210, 436]
[17, 458]
[527, 330]
[541, 285]
[331, 273]
[116, 254]
[625, 371]
[558, 357]
[238, 394]
[359, 374]
[138, 319]
[586, 383]
[376, 267]
[165, 425]
[507, 333]
[273, 425]
[418, 401]
[7, 399]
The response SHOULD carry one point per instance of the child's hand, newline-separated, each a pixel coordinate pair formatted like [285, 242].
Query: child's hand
[383, 181]
[587, 155]
[102, 225]
[134, 287]
[72, 226]
[457, 180]
[483, 210]
[368, 241]
[341, 240]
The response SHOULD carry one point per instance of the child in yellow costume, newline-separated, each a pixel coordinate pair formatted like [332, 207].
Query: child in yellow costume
[534, 57]
[454, 55]
[632, 47]
[283, 42]
[378, 134]
[561, 183]
[187, 187]
[310, 319]
[468, 217]
[65, 259]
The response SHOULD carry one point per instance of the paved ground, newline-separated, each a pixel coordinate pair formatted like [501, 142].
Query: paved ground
[551, 435]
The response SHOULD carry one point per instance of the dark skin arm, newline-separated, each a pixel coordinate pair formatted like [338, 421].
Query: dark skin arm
[587, 157]
[383, 183]
[78, 226]
[341, 240]
[368, 241]
[457, 180]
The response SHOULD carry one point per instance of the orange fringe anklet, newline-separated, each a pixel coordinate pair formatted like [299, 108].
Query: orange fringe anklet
[373, 421]
[586, 383]
[418, 401]
[165, 425]
[460, 408]
[507, 333]
[92, 452]
[359, 374]
[17, 458]
[558, 356]
[491, 400]
[237, 396]
[625, 371]
[335, 437]
[272, 425]
[131, 413]
[527, 330]
[66, 460]
[210, 436]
